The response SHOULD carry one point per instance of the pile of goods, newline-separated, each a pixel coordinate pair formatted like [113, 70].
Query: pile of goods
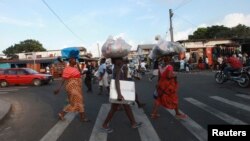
[115, 48]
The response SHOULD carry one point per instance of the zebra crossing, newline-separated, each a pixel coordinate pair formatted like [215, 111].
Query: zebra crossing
[11, 89]
[148, 132]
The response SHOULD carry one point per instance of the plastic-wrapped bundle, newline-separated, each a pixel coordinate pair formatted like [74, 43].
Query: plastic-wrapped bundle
[166, 48]
[70, 52]
[115, 48]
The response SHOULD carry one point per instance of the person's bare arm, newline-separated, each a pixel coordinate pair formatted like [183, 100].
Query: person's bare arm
[58, 90]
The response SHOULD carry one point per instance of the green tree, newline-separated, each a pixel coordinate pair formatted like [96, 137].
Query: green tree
[217, 31]
[29, 45]
[200, 33]
[241, 31]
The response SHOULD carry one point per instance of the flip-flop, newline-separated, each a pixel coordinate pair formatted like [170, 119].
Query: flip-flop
[85, 120]
[182, 116]
[155, 116]
[60, 116]
[137, 125]
[107, 130]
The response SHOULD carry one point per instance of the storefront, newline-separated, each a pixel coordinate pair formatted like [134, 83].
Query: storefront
[212, 49]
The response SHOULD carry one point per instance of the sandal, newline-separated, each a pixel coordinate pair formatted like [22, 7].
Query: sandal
[107, 130]
[181, 116]
[61, 116]
[137, 125]
[155, 116]
[84, 120]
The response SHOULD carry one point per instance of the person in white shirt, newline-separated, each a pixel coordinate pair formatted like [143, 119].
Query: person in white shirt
[103, 76]
[220, 61]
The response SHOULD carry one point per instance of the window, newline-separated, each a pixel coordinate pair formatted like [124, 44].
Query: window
[10, 72]
[1, 71]
[21, 72]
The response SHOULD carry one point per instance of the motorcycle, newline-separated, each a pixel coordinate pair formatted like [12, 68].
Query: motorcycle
[241, 76]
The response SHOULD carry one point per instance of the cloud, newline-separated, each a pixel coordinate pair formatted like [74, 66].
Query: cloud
[229, 20]
[11, 21]
[16, 22]
[181, 35]
[234, 19]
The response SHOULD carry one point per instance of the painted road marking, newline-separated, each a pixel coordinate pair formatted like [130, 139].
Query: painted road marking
[97, 134]
[232, 103]
[56, 131]
[243, 96]
[198, 131]
[147, 131]
[227, 118]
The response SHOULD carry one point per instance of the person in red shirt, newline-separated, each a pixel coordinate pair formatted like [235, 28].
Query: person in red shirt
[234, 64]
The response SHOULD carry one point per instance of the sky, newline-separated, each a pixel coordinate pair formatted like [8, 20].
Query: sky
[90, 22]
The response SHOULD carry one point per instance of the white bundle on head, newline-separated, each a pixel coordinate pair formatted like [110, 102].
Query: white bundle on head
[115, 48]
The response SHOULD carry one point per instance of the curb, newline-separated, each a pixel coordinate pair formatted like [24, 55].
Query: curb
[5, 108]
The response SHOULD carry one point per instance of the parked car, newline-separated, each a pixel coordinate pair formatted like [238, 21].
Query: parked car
[23, 76]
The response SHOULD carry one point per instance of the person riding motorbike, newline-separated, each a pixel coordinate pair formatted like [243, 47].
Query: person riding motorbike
[233, 64]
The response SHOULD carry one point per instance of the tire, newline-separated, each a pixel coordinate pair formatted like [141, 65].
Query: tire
[3, 83]
[246, 82]
[219, 78]
[37, 82]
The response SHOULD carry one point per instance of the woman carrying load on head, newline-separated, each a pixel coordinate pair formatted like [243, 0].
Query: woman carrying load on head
[167, 90]
[73, 85]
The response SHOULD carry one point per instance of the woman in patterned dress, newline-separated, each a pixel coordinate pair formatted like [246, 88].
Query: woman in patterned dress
[73, 85]
[167, 90]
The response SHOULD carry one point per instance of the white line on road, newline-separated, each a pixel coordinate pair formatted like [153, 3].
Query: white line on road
[193, 127]
[232, 103]
[243, 96]
[97, 134]
[3, 92]
[147, 132]
[229, 119]
[55, 132]
[15, 87]
[8, 90]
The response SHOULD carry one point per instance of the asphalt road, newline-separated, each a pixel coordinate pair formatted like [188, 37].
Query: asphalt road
[34, 113]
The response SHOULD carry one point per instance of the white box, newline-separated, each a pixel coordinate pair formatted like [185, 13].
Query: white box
[127, 91]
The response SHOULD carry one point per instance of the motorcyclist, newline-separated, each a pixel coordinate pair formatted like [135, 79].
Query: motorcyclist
[233, 64]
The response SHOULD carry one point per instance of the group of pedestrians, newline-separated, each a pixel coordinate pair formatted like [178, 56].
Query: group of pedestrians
[166, 88]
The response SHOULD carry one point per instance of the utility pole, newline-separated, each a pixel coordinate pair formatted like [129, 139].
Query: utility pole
[98, 50]
[171, 14]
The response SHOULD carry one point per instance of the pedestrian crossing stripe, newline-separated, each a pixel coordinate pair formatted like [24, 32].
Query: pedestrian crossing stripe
[97, 134]
[146, 131]
[56, 131]
[194, 128]
[232, 103]
[243, 96]
[227, 118]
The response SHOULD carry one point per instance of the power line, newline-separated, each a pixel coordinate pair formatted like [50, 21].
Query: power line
[182, 4]
[186, 20]
[60, 19]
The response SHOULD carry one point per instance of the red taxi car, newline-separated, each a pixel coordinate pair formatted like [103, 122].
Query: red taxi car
[23, 76]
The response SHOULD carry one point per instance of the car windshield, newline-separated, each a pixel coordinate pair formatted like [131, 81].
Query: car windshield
[30, 71]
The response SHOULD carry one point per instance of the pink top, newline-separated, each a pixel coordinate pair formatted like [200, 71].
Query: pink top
[71, 72]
